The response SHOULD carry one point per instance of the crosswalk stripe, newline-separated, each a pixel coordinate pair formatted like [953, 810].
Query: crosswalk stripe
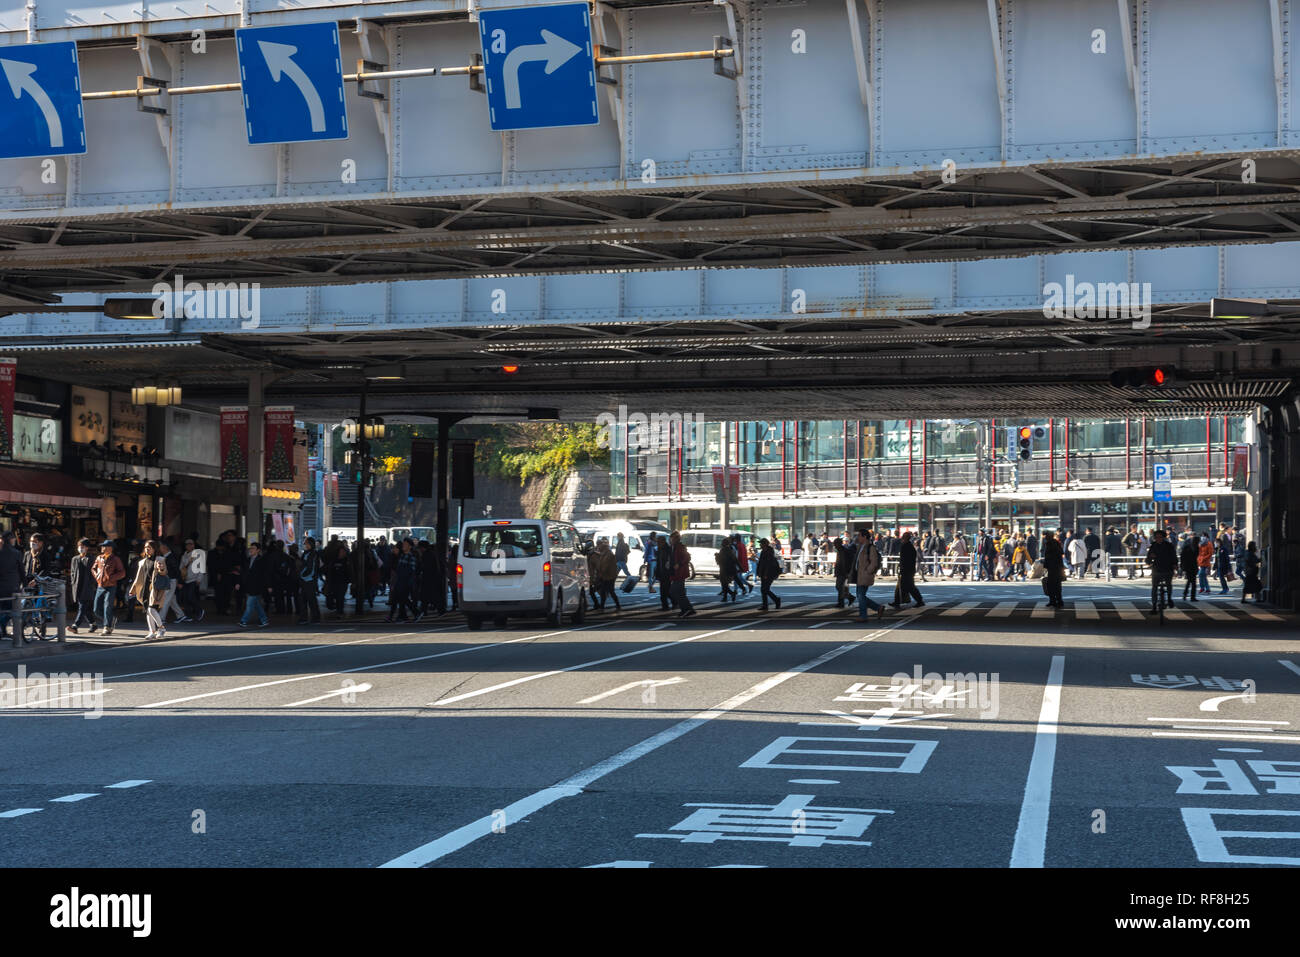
[960, 609]
[1128, 611]
[1086, 611]
[1177, 615]
[1002, 610]
[1218, 614]
[1043, 611]
[1261, 615]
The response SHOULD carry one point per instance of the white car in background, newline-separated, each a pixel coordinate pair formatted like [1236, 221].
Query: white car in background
[703, 543]
[636, 533]
[521, 567]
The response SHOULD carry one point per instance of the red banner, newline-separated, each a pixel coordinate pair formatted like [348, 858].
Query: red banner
[234, 443]
[279, 445]
[8, 376]
[1240, 468]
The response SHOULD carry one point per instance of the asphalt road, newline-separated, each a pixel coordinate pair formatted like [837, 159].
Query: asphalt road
[969, 733]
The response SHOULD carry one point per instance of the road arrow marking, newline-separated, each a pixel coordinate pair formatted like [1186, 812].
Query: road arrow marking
[556, 51]
[279, 60]
[649, 683]
[20, 78]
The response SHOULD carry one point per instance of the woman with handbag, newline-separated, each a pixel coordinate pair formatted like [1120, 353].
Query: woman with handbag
[150, 588]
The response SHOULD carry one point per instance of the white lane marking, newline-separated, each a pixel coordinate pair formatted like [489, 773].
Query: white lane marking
[1043, 611]
[69, 798]
[960, 609]
[667, 624]
[1128, 611]
[1289, 665]
[648, 683]
[1222, 720]
[331, 674]
[19, 812]
[1086, 611]
[1030, 846]
[464, 836]
[820, 624]
[1002, 610]
[40, 702]
[128, 784]
[356, 689]
[578, 667]
[1207, 733]
[264, 654]
[1173, 614]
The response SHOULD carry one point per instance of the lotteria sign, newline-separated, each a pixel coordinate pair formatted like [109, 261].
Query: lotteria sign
[1183, 505]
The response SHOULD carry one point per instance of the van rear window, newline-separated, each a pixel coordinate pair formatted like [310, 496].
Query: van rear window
[513, 541]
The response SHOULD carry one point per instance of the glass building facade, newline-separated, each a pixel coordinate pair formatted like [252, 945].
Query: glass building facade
[796, 476]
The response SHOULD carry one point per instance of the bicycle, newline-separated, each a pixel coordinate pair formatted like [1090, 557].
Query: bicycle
[36, 612]
[1161, 593]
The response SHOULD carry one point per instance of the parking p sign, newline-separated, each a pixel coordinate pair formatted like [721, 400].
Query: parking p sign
[1161, 483]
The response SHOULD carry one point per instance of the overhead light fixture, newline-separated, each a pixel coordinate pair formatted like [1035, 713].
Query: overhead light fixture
[123, 308]
[510, 370]
[166, 393]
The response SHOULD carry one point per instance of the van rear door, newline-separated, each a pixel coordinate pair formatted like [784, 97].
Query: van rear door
[503, 561]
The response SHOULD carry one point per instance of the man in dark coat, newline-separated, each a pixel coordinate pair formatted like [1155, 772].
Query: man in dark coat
[906, 588]
[83, 587]
[1188, 560]
[254, 576]
[1163, 560]
[11, 576]
[1053, 569]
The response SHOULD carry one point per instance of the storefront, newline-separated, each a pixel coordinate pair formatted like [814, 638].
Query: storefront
[35, 495]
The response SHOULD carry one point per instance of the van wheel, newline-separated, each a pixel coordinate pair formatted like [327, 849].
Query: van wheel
[473, 622]
[580, 613]
[556, 617]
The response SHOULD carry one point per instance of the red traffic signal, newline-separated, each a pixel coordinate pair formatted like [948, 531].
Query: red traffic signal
[1142, 377]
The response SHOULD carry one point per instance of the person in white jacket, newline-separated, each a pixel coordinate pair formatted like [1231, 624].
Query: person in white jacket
[1078, 555]
[194, 569]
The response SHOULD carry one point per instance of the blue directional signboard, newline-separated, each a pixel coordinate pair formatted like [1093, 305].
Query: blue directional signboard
[292, 80]
[40, 101]
[538, 67]
[1161, 483]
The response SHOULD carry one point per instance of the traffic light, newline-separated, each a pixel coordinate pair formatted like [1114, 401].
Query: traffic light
[1026, 437]
[1142, 377]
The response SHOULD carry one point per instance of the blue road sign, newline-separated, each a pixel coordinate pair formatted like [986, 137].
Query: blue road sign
[538, 67]
[41, 96]
[292, 80]
[1161, 482]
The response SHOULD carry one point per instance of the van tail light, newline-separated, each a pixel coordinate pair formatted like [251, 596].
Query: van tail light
[460, 577]
[546, 573]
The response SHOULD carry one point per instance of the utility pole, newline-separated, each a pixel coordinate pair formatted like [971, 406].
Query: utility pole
[988, 486]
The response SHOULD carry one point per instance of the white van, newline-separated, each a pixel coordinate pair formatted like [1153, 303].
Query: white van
[636, 533]
[513, 567]
[703, 545]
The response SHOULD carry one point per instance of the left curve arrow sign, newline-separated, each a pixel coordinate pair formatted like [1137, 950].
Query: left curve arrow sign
[279, 60]
[19, 75]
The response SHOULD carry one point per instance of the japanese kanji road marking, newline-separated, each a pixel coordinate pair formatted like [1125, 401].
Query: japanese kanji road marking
[1030, 846]
[464, 836]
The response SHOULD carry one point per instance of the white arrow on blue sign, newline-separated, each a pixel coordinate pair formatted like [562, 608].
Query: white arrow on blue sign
[538, 67]
[1161, 482]
[292, 78]
[41, 96]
